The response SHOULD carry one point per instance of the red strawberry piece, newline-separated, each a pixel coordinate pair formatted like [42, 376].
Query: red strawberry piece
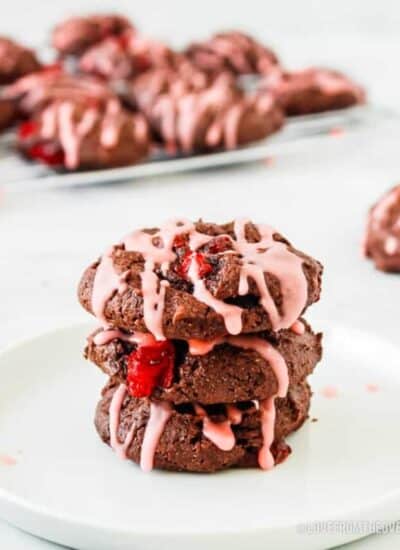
[220, 244]
[48, 153]
[142, 62]
[180, 241]
[204, 268]
[27, 130]
[150, 367]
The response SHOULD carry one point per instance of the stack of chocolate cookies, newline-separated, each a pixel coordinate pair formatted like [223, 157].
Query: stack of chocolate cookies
[202, 338]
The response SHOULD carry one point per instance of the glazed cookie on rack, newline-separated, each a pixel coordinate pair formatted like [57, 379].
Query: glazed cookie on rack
[232, 51]
[75, 135]
[203, 116]
[118, 58]
[76, 34]
[312, 90]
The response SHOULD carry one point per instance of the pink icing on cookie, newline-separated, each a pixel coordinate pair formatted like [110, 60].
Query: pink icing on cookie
[264, 348]
[235, 415]
[60, 122]
[232, 314]
[106, 336]
[115, 411]
[270, 256]
[219, 433]
[159, 416]
[106, 282]
[266, 407]
[265, 256]
[268, 417]
[298, 327]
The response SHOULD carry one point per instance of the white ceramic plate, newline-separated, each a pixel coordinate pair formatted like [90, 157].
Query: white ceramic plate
[68, 487]
[20, 175]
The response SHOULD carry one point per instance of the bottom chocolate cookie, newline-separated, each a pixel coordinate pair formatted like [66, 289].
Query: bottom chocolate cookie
[197, 438]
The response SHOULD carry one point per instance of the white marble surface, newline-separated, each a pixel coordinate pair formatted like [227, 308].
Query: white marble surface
[317, 192]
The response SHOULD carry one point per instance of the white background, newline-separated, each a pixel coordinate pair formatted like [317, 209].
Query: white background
[317, 192]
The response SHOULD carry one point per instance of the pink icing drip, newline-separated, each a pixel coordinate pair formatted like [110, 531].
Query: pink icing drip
[231, 125]
[372, 388]
[232, 314]
[235, 415]
[298, 327]
[266, 407]
[159, 416]
[106, 282]
[264, 348]
[106, 336]
[115, 411]
[160, 253]
[264, 256]
[111, 125]
[219, 433]
[202, 347]
[71, 133]
[268, 417]
[270, 256]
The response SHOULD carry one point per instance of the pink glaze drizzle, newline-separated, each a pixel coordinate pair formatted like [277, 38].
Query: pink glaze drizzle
[219, 433]
[298, 327]
[372, 388]
[106, 336]
[159, 416]
[265, 256]
[266, 407]
[115, 412]
[262, 347]
[268, 417]
[106, 282]
[61, 120]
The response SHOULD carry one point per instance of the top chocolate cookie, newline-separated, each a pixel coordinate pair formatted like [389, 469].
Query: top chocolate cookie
[201, 280]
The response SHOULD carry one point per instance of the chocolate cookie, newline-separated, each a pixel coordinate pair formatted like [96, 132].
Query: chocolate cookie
[75, 35]
[201, 281]
[312, 90]
[213, 117]
[199, 439]
[213, 372]
[8, 113]
[382, 238]
[125, 57]
[15, 61]
[73, 134]
[235, 52]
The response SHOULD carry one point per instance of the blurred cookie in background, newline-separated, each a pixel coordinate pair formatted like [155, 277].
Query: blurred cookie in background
[382, 238]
